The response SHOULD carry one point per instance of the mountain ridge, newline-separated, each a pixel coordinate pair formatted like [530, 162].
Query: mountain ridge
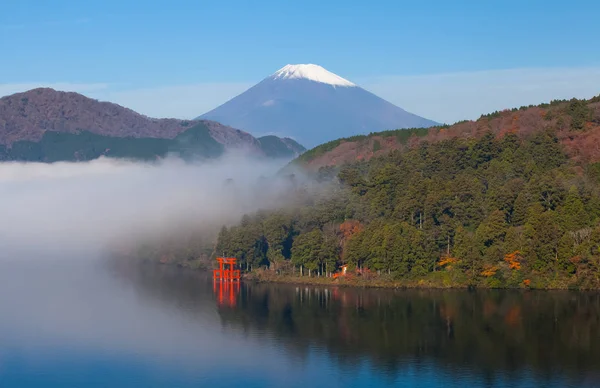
[28, 119]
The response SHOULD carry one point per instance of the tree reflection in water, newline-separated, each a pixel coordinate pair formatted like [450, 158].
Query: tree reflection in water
[494, 334]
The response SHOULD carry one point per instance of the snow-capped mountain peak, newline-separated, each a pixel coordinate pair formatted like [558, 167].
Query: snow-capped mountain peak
[311, 72]
[312, 105]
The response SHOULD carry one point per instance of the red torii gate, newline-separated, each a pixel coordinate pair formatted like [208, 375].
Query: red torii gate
[226, 274]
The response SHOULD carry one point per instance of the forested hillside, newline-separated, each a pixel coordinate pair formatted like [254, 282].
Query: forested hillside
[575, 123]
[507, 206]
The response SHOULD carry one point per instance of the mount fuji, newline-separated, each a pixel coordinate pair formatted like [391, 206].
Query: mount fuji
[311, 105]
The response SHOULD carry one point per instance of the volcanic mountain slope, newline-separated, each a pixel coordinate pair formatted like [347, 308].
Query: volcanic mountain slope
[311, 105]
[48, 125]
[574, 123]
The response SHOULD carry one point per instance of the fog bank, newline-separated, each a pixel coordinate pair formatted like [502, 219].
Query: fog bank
[66, 208]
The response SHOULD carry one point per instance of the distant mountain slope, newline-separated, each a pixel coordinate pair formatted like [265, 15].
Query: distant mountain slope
[276, 147]
[575, 123]
[313, 105]
[194, 143]
[48, 125]
[26, 116]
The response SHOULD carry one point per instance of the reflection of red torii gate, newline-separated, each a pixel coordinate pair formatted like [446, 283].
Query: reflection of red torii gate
[226, 274]
[226, 292]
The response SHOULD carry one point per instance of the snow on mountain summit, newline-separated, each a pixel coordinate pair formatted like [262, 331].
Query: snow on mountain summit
[311, 72]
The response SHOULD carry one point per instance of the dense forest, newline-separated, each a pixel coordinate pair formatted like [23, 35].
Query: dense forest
[502, 209]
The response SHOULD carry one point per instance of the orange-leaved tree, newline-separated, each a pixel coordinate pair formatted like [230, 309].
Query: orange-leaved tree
[447, 261]
[349, 228]
[489, 271]
[514, 260]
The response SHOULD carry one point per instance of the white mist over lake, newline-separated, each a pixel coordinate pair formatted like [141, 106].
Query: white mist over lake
[58, 302]
[81, 207]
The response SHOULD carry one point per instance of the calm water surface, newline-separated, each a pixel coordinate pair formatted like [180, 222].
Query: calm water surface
[65, 325]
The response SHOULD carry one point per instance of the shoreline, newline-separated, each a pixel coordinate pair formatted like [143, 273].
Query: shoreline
[355, 282]
[385, 282]
[433, 284]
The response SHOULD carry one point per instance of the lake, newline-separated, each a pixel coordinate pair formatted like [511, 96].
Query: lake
[71, 325]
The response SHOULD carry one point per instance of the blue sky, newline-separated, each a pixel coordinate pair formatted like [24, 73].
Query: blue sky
[180, 58]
